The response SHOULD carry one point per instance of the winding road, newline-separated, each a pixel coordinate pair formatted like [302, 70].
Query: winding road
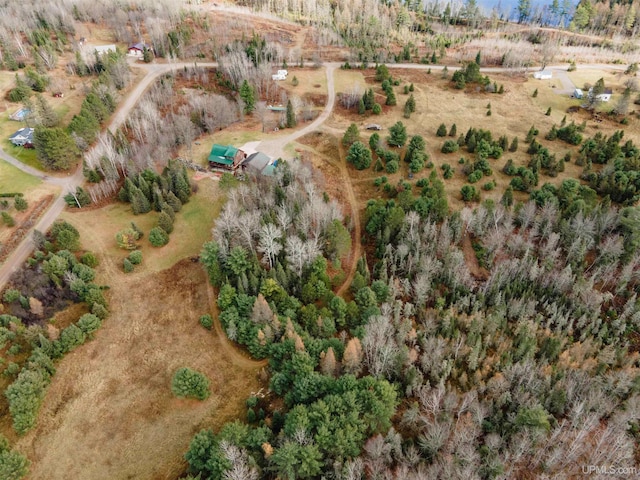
[274, 148]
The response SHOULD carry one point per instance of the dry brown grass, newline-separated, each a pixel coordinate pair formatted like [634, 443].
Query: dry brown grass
[109, 412]
[438, 102]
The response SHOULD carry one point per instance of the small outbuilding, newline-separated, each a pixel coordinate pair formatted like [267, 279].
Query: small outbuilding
[259, 163]
[22, 138]
[373, 126]
[601, 97]
[543, 75]
[577, 93]
[278, 76]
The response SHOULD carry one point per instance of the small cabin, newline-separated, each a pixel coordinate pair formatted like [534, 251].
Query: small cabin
[226, 157]
[543, 75]
[278, 76]
[577, 93]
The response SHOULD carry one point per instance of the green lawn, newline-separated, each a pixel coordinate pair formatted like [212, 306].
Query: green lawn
[27, 156]
[192, 228]
[15, 180]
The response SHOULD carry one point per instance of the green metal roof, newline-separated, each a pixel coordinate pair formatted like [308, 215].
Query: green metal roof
[223, 154]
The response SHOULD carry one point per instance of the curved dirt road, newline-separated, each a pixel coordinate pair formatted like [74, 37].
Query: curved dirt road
[272, 147]
[69, 183]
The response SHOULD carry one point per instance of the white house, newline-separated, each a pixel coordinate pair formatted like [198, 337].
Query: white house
[543, 75]
[137, 49]
[102, 49]
[22, 138]
[602, 97]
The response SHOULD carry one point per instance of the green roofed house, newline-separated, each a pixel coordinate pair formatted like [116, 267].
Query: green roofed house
[225, 157]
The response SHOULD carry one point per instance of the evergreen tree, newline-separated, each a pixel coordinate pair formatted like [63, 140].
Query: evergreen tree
[291, 115]
[359, 155]
[165, 222]
[55, 147]
[369, 99]
[20, 203]
[478, 58]
[391, 98]
[398, 135]
[454, 130]
[442, 130]
[139, 202]
[361, 108]
[173, 201]
[248, 96]
[181, 188]
[48, 117]
[351, 135]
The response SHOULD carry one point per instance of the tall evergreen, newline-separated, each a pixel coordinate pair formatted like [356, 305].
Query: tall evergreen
[291, 116]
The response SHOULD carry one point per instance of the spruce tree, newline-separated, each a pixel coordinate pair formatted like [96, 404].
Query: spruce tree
[391, 97]
[454, 130]
[291, 116]
[442, 130]
[361, 109]
[165, 222]
[173, 201]
[248, 96]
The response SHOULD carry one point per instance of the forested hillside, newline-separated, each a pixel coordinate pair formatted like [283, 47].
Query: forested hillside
[528, 366]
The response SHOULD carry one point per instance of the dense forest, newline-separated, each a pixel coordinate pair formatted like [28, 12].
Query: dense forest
[425, 369]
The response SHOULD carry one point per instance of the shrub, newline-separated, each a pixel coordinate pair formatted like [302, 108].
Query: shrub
[20, 203]
[13, 465]
[89, 259]
[206, 321]
[8, 219]
[11, 295]
[135, 257]
[359, 155]
[377, 109]
[88, 323]
[468, 193]
[188, 383]
[475, 176]
[127, 266]
[158, 237]
[450, 146]
[392, 166]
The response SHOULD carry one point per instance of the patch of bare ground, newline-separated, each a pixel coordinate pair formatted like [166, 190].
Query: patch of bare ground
[109, 412]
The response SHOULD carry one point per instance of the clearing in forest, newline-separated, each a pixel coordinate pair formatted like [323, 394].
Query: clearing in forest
[109, 412]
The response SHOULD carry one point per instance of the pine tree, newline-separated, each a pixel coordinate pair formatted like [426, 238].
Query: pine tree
[478, 58]
[139, 202]
[369, 99]
[182, 190]
[173, 201]
[248, 96]
[454, 130]
[361, 109]
[165, 222]
[20, 203]
[391, 98]
[48, 117]
[442, 130]
[291, 115]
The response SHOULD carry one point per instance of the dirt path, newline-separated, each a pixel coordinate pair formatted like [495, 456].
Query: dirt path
[109, 412]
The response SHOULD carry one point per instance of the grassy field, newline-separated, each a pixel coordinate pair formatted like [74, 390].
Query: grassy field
[512, 114]
[192, 228]
[109, 412]
[14, 180]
